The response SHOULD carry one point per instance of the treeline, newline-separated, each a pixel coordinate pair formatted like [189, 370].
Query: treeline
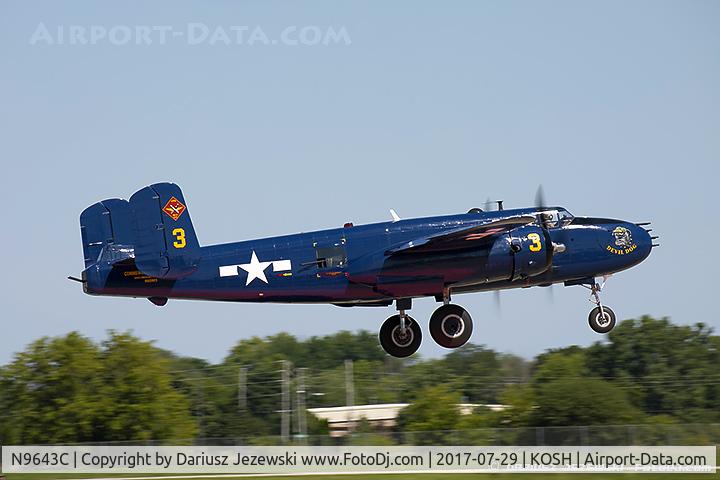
[70, 389]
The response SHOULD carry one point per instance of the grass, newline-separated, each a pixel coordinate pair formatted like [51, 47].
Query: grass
[424, 476]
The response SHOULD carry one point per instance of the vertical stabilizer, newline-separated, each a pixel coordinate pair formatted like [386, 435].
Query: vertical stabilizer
[165, 242]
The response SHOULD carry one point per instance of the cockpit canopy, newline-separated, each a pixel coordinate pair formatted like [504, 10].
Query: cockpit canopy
[550, 217]
[553, 217]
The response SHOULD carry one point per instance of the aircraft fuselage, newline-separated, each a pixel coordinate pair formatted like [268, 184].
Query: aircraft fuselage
[348, 265]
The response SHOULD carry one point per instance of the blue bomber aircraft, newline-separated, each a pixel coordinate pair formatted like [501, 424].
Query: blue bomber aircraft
[147, 247]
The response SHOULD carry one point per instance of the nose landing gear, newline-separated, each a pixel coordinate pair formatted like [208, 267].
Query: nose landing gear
[602, 318]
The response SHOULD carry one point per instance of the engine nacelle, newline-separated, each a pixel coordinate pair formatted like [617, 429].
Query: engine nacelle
[532, 251]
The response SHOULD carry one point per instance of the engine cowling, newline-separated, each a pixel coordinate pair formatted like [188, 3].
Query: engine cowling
[532, 251]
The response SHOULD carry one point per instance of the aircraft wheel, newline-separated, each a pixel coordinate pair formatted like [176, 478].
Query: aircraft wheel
[396, 342]
[601, 323]
[451, 326]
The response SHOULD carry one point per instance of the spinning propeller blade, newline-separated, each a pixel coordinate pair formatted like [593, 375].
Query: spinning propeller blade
[551, 294]
[540, 197]
[540, 204]
[488, 205]
[493, 205]
[498, 301]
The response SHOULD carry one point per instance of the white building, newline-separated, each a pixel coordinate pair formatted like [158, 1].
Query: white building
[384, 415]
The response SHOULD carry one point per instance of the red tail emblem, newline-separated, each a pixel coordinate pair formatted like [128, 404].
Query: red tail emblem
[174, 208]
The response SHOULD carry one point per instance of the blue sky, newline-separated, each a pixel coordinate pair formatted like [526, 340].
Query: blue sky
[429, 108]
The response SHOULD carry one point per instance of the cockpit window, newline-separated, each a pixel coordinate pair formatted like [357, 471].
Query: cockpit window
[564, 217]
[555, 218]
[548, 218]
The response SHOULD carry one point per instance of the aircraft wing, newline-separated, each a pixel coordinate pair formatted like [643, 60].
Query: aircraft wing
[458, 237]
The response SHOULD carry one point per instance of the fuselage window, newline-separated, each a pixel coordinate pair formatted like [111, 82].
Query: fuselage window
[331, 257]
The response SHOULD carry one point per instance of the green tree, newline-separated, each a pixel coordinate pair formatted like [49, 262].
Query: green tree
[263, 360]
[202, 384]
[584, 401]
[365, 434]
[67, 389]
[434, 412]
[475, 427]
[564, 392]
[566, 363]
[518, 407]
[322, 357]
[514, 368]
[317, 426]
[139, 402]
[49, 392]
[332, 350]
[668, 369]
[477, 373]
[374, 385]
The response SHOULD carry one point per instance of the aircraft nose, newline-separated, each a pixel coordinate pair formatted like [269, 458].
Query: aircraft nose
[627, 243]
[643, 239]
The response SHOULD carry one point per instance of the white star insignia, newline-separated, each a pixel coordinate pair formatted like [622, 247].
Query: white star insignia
[255, 269]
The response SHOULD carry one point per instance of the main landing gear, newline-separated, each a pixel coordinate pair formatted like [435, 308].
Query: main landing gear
[450, 326]
[601, 318]
[400, 335]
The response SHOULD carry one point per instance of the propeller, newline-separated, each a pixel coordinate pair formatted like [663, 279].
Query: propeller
[490, 206]
[540, 197]
[498, 301]
[546, 223]
[540, 203]
[551, 294]
[487, 206]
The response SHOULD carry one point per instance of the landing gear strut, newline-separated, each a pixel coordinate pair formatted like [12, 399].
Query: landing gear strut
[400, 335]
[601, 318]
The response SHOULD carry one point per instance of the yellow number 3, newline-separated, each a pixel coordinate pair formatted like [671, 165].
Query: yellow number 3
[179, 235]
[536, 245]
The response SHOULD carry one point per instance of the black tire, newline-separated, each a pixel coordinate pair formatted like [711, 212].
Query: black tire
[451, 326]
[392, 340]
[600, 324]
